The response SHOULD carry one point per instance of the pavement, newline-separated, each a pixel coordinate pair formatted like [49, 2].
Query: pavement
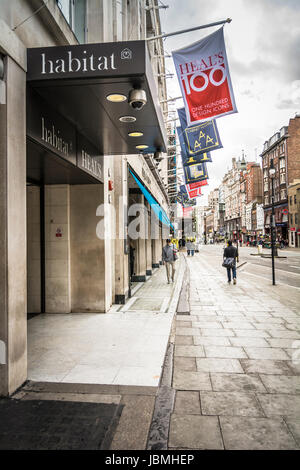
[236, 361]
[214, 366]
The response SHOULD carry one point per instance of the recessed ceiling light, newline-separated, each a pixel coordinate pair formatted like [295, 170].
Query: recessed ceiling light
[116, 98]
[135, 134]
[127, 119]
[142, 147]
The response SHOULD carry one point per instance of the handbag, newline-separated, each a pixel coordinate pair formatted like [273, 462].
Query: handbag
[228, 263]
[175, 256]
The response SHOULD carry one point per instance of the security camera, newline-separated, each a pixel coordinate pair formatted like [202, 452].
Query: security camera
[137, 99]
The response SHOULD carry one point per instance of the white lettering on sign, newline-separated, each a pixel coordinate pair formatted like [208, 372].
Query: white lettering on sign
[90, 164]
[75, 64]
[52, 137]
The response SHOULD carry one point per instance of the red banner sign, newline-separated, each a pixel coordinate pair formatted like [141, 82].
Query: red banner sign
[203, 74]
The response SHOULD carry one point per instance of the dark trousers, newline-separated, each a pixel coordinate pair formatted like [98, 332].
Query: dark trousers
[233, 273]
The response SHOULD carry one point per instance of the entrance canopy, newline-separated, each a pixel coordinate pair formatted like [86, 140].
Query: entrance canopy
[90, 85]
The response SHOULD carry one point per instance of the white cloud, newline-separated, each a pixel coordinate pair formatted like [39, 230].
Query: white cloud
[263, 43]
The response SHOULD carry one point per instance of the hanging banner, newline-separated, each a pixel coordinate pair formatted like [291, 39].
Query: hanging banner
[194, 193]
[203, 74]
[201, 138]
[192, 159]
[197, 185]
[195, 173]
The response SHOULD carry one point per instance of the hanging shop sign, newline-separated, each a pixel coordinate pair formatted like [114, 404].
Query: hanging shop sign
[195, 173]
[190, 159]
[200, 138]
[203, 74]
[88, 60]
[197, 185]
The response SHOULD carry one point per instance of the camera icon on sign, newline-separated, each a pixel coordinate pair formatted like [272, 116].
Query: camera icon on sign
[126, 54]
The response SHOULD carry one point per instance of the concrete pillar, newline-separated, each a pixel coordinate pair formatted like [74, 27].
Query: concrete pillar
[33, 250]
[13, 298]
[57, 249]
[149, 245]
[140, 252]
[120, 205]
[87, 250]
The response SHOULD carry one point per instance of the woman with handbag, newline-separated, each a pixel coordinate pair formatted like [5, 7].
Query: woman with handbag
[229, 261]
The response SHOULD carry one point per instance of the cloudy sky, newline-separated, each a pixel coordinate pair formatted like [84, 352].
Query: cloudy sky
[263, 49]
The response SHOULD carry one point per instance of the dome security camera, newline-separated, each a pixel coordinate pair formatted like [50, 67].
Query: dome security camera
[137, 99]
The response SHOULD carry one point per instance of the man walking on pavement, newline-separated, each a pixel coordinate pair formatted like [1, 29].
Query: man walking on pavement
[169, 257]
[231, 252]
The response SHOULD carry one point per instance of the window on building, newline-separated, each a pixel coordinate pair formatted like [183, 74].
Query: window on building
[282, 178]
[296, 219]
[283, 194]
[295, 199]
[266, 200]
[74, 12]
[291, 219]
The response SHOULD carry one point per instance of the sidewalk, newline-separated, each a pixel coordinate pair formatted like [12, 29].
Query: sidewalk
[237, 386]
[94, 368]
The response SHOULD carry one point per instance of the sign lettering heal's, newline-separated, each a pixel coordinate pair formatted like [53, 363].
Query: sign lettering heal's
[203, 74]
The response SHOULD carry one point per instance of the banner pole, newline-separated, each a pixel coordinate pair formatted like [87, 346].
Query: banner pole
[188, 30]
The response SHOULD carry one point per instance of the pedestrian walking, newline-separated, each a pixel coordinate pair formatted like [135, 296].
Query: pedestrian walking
[169, 257]
[230, 257]
[188, 247]
[192, 248]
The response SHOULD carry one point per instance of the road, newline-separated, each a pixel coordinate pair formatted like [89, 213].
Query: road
[287, 266]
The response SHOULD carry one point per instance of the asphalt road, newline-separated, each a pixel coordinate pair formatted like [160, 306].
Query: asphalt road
[287, 268]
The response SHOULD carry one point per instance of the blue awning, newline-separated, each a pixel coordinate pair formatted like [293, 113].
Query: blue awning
[157, 209]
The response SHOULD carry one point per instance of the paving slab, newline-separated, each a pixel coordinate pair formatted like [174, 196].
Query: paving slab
[230, 404]
[195, 432]
[219, 365]
[247, 433]
[182, 331]
[224, 352]
[244, 341]
[216, 332]
[211, 341]
[280, 342]
[187, 403]
[280, 404]
[184, 340]
[236, 382]
[186, 380]
[266, 353]
[251, 333]
[294, 426]
[189, 351]
[185, 363]
[266, 366]
[281, 383]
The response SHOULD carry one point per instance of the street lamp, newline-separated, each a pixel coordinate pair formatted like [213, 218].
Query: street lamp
[272, 176]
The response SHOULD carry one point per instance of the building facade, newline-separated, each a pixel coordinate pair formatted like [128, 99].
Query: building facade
[281, 151]
[294, 214]
[79, 149]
